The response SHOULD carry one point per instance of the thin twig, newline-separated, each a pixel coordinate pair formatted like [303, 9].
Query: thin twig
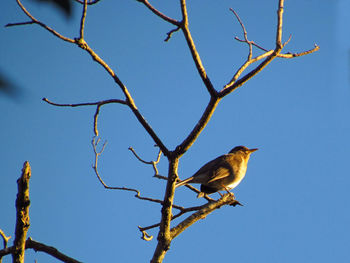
[225, 200]
[102, 102]
[82, 20]
[98, 103]
[35, 21]
[5, 238]
[95, 143]
[153, 163]
[158, 13]
[145, 236]
[5, 241]
[129, 100]
[91, 2]
[20, 24]
[37, 246]
[182, 211]
[245, 34]
[169, 34]
[285, 55]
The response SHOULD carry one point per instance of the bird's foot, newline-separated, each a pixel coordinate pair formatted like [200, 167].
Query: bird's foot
[230, 193]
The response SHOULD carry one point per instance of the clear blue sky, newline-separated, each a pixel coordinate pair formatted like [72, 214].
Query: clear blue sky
[296, 192]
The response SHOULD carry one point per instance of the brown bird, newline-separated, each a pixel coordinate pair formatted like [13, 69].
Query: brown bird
[222, 173]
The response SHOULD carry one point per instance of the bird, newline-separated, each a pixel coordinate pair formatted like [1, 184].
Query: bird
[223, 173]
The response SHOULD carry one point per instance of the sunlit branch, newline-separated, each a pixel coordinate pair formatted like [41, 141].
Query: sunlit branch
[190, 139]
[205, 210]
[22, 213]
[82, 20]
[153, 163]
[195, 55]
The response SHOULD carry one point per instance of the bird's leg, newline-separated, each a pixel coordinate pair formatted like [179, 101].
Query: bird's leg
[228, 191]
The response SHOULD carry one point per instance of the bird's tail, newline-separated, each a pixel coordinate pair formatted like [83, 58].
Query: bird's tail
[183, 182]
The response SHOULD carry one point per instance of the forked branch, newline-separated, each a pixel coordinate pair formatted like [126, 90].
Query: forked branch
[97, 152]
[269, 55]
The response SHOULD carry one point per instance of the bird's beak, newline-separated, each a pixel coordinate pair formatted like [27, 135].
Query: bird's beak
[253, 150]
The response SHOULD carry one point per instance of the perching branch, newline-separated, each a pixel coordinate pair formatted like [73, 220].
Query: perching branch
[227, 199]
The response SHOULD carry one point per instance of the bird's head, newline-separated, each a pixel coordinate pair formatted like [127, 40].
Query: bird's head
[243, 150]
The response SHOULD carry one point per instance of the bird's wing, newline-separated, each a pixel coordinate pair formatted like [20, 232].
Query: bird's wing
[213, 170]
[220, 173]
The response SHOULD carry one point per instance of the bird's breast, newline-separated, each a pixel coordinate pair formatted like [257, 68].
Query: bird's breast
[239, 174]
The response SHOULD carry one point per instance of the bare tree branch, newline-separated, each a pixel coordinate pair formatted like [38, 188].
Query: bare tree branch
[170, 33]
[5, 238]
[83, 45]
[182, 211]
[5, 241]
[166, 234]
[35, 21]
[20, 24]
[82, 20]
[22, 217]
[158, 13]
[98, 103]
[195, 55]
[205, 210]
[244, 34]
[129, 100]
[153, 163]
[203, 121]
[37, 246]
[102, 102]
[270, 55]
[232, 85]
[164, 237]
[285, 55]
[95, 143]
